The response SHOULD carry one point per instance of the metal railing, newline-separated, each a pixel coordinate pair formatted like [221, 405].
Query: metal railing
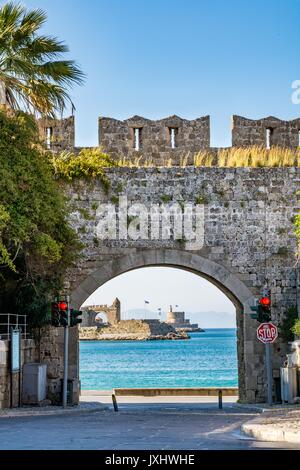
[8, 321]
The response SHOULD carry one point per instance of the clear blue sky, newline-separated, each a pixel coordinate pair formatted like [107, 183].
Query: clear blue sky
[187, 57]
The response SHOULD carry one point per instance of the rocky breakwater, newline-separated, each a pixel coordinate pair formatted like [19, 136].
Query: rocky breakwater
[129, 330]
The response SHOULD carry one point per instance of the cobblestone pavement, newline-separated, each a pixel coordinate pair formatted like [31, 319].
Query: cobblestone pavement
[135, 427]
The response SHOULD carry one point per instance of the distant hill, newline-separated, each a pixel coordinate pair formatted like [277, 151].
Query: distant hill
[209, 319]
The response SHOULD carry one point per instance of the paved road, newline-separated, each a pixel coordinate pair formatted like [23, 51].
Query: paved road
[134, 427]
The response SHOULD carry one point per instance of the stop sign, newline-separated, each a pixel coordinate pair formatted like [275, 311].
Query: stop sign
[267, 332]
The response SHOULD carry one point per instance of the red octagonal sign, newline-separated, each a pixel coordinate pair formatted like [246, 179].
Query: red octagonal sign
[267, 332]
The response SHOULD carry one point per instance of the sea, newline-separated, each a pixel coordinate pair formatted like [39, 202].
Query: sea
[208, 359]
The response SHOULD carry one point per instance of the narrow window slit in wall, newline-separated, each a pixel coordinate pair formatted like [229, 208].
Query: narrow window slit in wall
[137, 138]
[173, 137]
[49, 135]
[269, 136]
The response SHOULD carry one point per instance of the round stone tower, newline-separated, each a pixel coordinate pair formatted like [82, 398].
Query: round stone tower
[175, 317]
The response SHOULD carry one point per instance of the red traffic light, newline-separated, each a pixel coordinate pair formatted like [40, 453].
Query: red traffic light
[63, 306]
[265, 301]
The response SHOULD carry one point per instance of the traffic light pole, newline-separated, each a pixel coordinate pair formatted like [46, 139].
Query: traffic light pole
[269, 372]
[66, 357]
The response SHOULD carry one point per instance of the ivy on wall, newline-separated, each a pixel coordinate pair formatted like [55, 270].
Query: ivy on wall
[89, 163]
[37, 244]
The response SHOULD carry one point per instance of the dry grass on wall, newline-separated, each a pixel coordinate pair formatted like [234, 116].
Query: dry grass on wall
[233, 157]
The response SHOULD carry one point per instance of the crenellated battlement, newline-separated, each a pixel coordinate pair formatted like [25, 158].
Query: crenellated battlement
[266, 132]
[171, 138]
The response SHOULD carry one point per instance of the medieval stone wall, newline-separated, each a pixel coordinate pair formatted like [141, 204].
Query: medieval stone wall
[62, 133]
[247, 132]
[157, 144]
[118, 138]
[28, 354]
[113, 314]
[248, 241]
[48, 350]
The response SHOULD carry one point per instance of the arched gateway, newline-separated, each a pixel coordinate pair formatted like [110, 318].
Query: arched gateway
[237, 292]
[247, 242]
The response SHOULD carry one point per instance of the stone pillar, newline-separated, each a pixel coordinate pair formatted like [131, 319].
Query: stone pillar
[52, 353]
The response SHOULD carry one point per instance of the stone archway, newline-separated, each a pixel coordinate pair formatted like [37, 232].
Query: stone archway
[110, 313]
[229, 284]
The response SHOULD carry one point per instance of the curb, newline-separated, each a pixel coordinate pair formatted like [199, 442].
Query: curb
[267, 432]
[268, 409]
[279, 431]
[53, 411]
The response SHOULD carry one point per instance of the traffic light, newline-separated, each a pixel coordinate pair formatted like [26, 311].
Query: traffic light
[75, 314]
[64, 313]
[264, 309]
[55, 314]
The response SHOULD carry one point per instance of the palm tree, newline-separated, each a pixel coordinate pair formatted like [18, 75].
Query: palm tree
[33, 75]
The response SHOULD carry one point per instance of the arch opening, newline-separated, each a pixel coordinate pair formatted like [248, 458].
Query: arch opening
[217, 275]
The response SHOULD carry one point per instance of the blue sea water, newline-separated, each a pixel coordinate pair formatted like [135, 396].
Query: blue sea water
[208, 359]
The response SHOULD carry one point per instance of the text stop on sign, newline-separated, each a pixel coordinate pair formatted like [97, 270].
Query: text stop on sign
[267, 333]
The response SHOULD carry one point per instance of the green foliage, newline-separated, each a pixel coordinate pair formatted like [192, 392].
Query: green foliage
[34, 74]
[119, 188]
[85, 213]
[201, 199]
[287, 324]
[296, 327]
[36, 242]
[89, 163]
[114, 200]
[166, 198]
[96, 242]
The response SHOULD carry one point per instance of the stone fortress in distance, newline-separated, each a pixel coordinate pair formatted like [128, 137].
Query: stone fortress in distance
[103, 322]
[172, 137]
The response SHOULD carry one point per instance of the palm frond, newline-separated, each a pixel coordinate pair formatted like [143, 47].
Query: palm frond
[32, 69]
[42, 47]
[32, 21]
[62, 71]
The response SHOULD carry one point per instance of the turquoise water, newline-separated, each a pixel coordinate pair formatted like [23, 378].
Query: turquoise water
[206, 360]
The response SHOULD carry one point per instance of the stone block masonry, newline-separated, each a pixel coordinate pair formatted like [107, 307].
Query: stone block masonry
[269, 131]
[58, 134]
[51, 352]
[248, 240]
[111, 312]
[137, 137]
[172, 138]
[48, 350]
[28, 354]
